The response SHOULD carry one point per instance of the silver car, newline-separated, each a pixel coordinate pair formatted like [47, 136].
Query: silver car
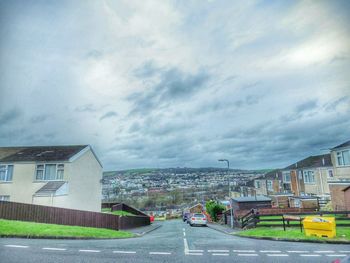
[198, 219]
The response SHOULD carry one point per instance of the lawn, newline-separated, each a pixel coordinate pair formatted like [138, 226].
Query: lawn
[118, 213]
[30, 229]
[343, 233]
[337, 217]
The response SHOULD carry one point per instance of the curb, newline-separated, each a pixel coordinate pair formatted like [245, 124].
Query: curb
[222, 231]
[64, 238]
[296, 240]
[148, 231]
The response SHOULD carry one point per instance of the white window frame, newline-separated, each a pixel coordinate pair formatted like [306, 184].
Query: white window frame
[308, 175]
[341, 159]
[257, 184]
[285, 174]
[6, 172]
[269, 185]
[59, 167]
[4, 198]
[330, 174]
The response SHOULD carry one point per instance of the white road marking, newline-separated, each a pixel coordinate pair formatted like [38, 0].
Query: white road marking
[195, 250]
[186, 246]
[89, 250]
[183, 229]
[219, 250]
[244, 251]
[54, 248]
[277, 255]
[297, 251]
[124, 252]
[220, 254]
[160, 253]
[270, 251]
[195, 254]
[309, 255]
[184, 234]
[344, 251]
[324, 251]
[335, 255]
[17, 246]
[247, 255]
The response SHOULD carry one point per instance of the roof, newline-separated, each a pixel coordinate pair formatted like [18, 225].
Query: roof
[345, 144]
[258, 198]
[323, 160]
[50, 188]
[346, 188]
[39, 153]
[272, 175]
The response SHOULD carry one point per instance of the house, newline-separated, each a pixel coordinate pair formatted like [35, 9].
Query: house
[339, 183]
[268, 183]
[249, 202]
[308, 176]
[303, 202]
[198, 208]
[60, 176]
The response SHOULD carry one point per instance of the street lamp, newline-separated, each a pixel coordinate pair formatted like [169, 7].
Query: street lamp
[229, 190]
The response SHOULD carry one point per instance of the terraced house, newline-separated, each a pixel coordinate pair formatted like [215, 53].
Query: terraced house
[61, 176]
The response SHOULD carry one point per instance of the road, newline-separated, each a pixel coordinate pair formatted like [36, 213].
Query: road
[175, 241]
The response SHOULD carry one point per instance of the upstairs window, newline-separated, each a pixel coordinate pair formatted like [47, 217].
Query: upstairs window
[257, 184]
[269, 185]
[49, 172]
[4, 198]
[309, 177]
[6, 172]
[343, 158]
[286, 177]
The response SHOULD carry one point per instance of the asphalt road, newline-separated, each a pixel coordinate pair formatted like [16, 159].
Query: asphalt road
[175, 241]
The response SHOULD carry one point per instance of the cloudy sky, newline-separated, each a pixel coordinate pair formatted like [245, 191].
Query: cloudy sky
[177, 83]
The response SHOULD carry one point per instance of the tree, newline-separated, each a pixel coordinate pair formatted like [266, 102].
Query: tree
[213, 209]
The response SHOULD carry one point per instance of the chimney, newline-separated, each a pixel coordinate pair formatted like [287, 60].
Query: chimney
[323, 161]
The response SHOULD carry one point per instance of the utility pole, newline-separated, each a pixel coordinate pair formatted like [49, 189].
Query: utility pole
[229, 190]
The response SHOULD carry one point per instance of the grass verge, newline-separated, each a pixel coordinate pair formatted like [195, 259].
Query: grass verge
[30, 229]
[343, 234]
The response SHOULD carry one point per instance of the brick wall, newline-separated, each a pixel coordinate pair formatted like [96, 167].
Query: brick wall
[338, 196]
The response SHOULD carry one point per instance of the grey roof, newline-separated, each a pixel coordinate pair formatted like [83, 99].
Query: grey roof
[39, 153]
[272, 175]
[50, 188]
[258, 198]
[345, 144]
[323, 160]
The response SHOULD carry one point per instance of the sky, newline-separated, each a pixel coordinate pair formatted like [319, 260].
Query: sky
[177, 83]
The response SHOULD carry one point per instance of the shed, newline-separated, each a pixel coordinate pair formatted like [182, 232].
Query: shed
[198, 208]
[303, 201]
[249, 202]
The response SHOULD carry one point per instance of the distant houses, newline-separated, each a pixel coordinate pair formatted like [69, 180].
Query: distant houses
[308, 183]
[60, 176]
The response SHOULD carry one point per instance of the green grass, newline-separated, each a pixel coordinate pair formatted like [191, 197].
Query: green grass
[343, 233]
[338, 220]
[122, 213]
[30, 229]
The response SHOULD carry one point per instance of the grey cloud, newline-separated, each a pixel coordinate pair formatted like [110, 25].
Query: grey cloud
[109, 114]
[95, 54]
[172, 84]
[306, 106]
[86, 108]
[148, 69]
[39, 118]
[333, 105]
[10, 116]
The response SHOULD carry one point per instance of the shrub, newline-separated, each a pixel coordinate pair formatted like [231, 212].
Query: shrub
[213, 209]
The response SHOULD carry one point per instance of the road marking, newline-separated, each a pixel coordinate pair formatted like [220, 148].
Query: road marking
[297, 251]
[219, 250]
[244, 251]
[195, 250]
[17, 246]
[270, 251]
[344, 251]
[184, 234]
[277, 255]
[54, 248]
[195, 254]
[89, 250]
[220, 254]
[183, 229]
[186, 246]
[309, 255]
[159, 253]
[124, 252]
[324, 251]
[335, 255]
[247, 255]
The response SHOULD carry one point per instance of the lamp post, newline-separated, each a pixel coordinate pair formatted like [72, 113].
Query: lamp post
[229, 190]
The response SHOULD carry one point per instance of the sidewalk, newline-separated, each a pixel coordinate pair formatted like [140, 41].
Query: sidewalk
[140, 231]
[223, 228]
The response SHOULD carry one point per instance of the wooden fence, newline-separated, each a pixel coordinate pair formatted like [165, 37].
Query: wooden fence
[64, 216]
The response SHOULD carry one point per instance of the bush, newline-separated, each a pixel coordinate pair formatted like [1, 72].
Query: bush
[213, 209]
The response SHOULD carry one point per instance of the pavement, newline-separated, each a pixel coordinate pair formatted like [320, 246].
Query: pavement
[174, 241]
[140, 231]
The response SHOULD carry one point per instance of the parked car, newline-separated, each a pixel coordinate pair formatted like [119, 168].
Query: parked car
[186, 216]
[198, 219]
[344, 260]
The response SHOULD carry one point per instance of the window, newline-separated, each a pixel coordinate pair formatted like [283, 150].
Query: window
[309, 177]
[257, 184]
[49, 172]
[4, 198]
[6, 172]
[330, 173]
[343, 158]
[269, 185]
[286, 177]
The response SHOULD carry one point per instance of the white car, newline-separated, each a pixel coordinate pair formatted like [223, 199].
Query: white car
[198, 219]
